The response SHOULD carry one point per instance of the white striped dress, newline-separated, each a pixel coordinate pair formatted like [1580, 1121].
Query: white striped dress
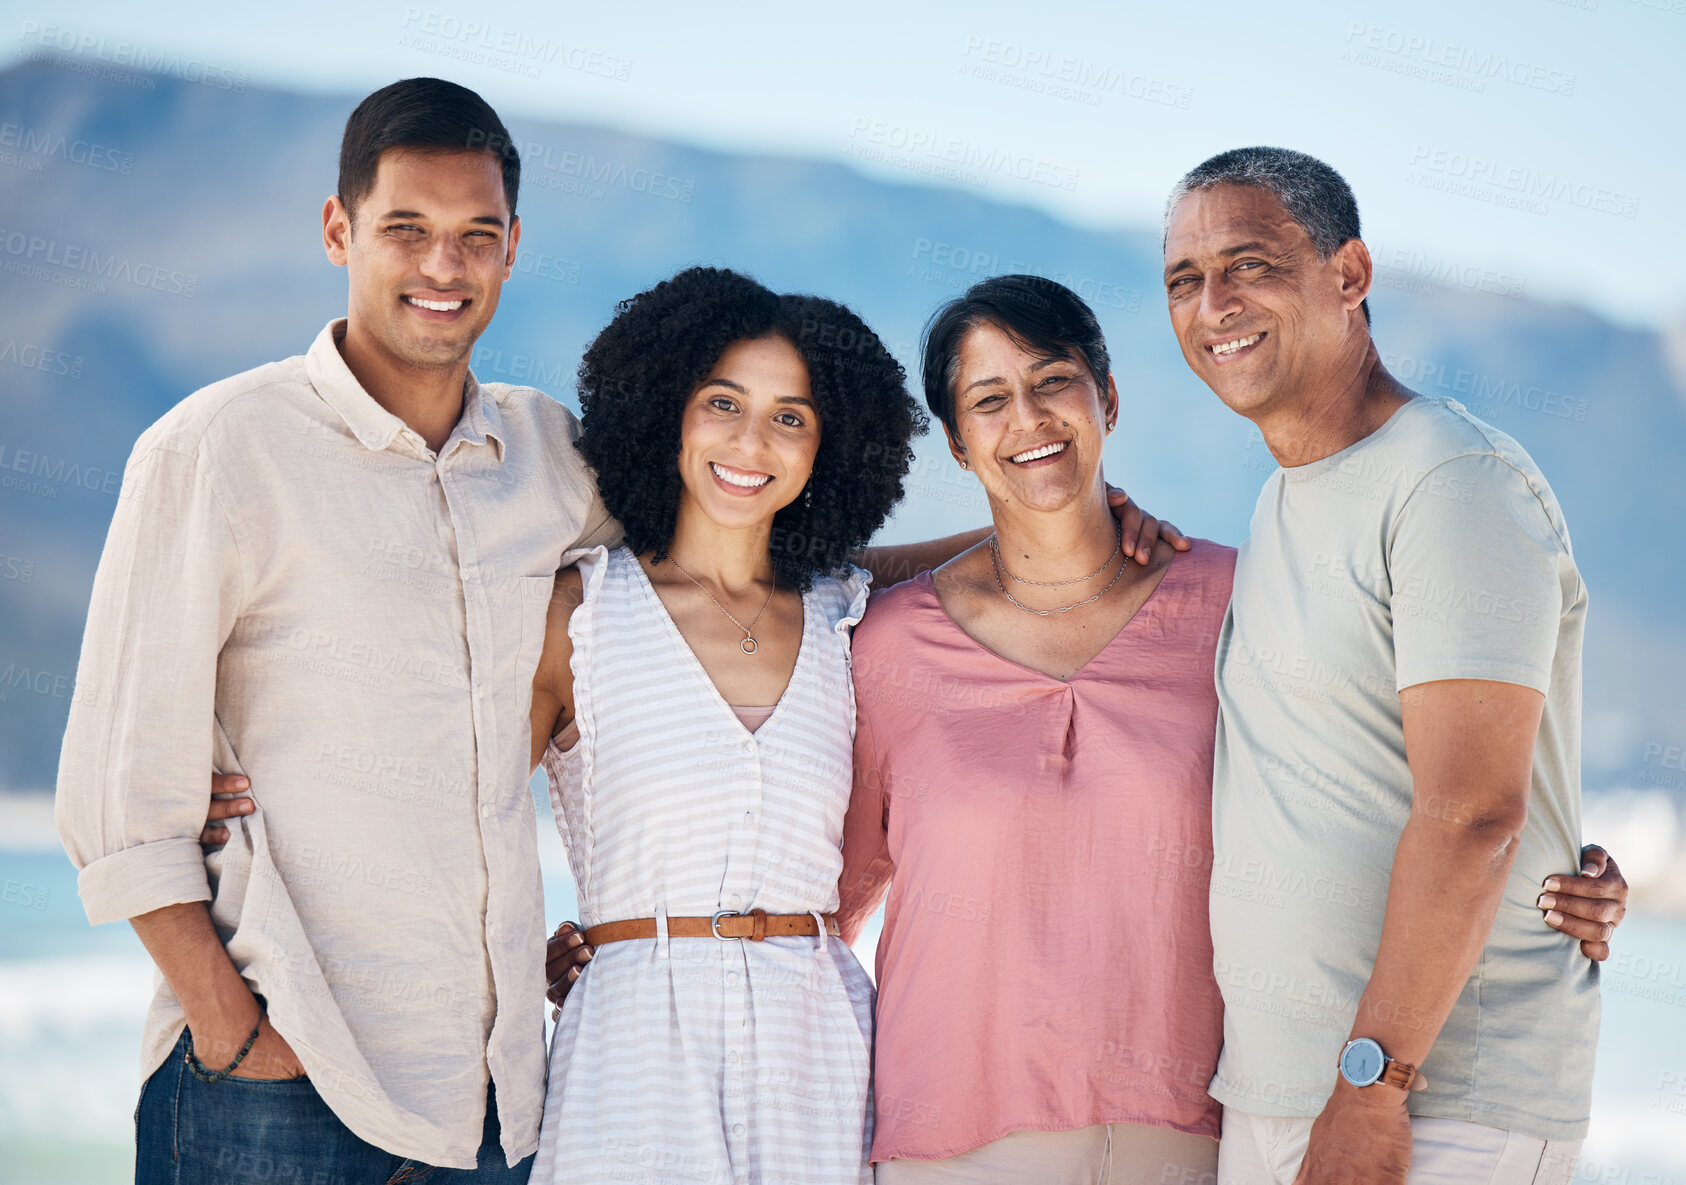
[695, 1060]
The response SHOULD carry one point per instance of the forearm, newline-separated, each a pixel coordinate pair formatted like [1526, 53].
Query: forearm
[903, 561]
[1442, 897]
[861, 889]
[867, 865]
[220, 1008]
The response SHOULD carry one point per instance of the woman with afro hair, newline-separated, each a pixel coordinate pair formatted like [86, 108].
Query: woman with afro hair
[694, 712]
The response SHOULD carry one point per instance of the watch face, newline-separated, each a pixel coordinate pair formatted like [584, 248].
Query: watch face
[1361, 1062]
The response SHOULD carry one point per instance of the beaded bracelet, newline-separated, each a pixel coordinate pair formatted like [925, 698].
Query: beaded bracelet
[205, 1074]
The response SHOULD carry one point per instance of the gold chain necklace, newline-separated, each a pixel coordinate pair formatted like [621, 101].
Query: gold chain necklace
[749, 644]
[996, 564]
[995, 547]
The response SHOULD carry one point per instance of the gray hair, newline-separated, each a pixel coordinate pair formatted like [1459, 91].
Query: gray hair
[1314, 195]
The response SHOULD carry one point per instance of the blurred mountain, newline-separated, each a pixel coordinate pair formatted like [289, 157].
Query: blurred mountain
[157, 237]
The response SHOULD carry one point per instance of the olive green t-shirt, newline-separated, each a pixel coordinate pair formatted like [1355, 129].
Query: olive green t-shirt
[1432, 549]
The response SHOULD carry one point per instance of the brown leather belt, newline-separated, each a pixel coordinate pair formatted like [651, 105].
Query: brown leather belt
[755, 925]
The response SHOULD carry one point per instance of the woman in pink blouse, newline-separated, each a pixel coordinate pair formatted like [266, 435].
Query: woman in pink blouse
[1033, 762]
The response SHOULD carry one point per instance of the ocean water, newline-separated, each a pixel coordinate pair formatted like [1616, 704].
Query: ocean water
[72, 1000]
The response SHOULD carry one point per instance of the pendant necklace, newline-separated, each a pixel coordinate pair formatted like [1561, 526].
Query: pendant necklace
[749, 644]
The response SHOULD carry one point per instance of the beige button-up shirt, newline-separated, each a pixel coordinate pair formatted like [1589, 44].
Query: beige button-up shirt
[296, 588]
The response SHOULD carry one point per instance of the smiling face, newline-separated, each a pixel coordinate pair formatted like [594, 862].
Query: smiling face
[1030, 427]
[750, 434]
[1260, 318]
[427, 256]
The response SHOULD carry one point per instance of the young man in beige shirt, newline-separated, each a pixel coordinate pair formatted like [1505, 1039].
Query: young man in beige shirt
[330, 574]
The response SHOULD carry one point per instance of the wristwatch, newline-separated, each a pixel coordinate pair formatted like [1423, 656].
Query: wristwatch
[1363, 1063]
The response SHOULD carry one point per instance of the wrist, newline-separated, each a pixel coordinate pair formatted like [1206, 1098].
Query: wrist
[1379, 1097]
[214, 1063]
[1364, 1063]
[224, 1015]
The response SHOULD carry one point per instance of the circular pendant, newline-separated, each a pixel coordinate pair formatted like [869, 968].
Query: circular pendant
[748, 645]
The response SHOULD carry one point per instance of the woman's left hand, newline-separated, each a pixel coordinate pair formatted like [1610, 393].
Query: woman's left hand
[1139, 529]
[1589, 906]
[565, 956]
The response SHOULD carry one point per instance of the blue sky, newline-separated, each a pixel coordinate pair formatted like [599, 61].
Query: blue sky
[1515, 144]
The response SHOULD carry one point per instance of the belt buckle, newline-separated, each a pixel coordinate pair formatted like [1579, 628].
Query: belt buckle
[714, 923]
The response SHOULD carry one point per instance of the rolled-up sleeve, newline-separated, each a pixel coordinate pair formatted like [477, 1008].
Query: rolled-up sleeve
[138, 749]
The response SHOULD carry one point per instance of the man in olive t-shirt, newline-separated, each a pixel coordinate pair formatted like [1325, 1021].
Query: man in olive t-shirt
[1398, 747]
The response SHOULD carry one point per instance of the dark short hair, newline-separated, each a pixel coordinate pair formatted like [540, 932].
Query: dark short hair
[638, 375]
[425, 115]
[1314, 195]
[1042, 317]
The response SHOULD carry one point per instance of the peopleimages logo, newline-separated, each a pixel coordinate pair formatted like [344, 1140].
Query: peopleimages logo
[1525, 182]
[139, 57]
[33, 256]
[1063, 76]
[510, 50]
[1435, 60]
[956, 265]
[32, 357]
[936, 148]
[40, 473]
[78, 152]
[1419, 271]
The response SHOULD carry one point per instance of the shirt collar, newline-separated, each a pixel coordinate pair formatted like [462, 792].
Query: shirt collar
[482, 419]
[374, 426]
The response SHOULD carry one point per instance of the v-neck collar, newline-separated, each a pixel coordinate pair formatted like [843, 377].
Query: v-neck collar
[928, 586]
[701, 671]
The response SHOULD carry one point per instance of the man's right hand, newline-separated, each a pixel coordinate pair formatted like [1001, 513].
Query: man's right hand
[270, 1058]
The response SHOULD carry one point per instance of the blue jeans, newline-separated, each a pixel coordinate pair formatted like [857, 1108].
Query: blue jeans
[192, 1132]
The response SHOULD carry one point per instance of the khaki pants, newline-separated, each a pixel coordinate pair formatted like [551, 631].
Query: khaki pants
[1262, 1150]
[1106, 1154]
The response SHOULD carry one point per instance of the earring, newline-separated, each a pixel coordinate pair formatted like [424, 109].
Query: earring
[808, 498]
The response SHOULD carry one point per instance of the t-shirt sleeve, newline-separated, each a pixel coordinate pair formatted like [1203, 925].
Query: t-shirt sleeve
[1478, 574]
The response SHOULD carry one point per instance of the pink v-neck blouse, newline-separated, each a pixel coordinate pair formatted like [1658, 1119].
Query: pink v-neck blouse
[1046, 962]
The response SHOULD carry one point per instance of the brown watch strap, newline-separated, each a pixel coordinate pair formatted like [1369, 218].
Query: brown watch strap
[755, 926]
[1399, 1074]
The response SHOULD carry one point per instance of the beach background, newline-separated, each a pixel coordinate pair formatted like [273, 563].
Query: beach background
[162, 173]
